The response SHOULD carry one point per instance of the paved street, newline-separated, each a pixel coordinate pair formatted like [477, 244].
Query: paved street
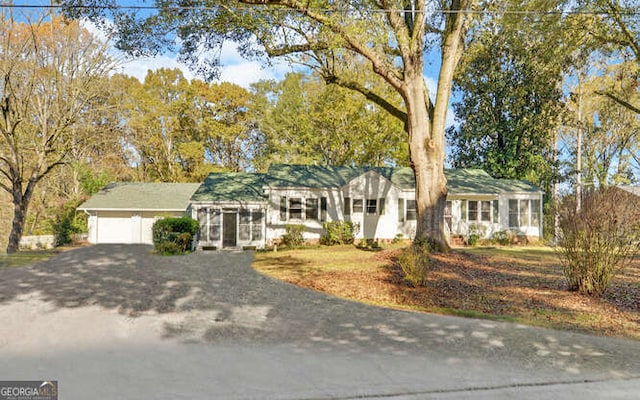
[115, 322]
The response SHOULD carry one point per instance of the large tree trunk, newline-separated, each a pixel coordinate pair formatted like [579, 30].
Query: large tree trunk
[427, 158]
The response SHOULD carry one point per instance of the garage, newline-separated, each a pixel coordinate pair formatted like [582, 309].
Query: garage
[124, 212]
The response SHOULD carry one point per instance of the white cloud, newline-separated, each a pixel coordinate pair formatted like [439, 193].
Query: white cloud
[139, 67]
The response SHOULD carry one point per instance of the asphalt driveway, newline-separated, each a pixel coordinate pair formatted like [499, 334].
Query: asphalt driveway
[115, 321]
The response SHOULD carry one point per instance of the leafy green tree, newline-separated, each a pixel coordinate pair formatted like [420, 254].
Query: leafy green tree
[391, 36]
[50, 71]
[510, 81]
[308, 121]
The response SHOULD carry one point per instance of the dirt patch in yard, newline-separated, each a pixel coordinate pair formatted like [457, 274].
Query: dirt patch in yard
[520, 285]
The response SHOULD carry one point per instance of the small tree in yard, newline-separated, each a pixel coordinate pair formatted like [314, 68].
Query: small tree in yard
[598, 239]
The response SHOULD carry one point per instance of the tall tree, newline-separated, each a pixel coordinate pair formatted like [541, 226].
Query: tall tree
[390, 35]
[304, 120]
[510, 82]
[614, 26]
[49, 73]
[610, 132]
[180, 131]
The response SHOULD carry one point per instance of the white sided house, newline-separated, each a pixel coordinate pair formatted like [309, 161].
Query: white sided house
[251, 210]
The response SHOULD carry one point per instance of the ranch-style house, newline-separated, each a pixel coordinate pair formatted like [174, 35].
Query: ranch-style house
[239, 210]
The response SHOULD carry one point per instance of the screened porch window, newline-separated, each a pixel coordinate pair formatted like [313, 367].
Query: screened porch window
[209, 220]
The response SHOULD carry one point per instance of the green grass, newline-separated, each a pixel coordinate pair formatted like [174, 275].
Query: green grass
[22, 259]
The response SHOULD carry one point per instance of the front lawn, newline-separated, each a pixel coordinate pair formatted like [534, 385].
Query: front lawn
[24, 258]
[519, 284]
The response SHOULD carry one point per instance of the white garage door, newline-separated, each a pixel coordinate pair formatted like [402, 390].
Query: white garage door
[112, 229]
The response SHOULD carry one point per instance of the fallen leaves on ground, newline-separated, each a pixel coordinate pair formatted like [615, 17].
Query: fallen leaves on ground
[521, 286]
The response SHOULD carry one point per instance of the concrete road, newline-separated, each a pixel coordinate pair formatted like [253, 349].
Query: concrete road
[115, 322]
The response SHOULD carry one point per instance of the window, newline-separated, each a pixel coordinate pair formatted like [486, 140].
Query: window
[400, 210]
[535, 213]
[463, 209]
[209, 221]
[381, 205]
[347, 206]
[372, 206]
[215, 217]
[412, 215]
[295, 208]
[473, 211]
[283, 208]
[323, 208]
[524, 213]
[496, 212]
[311, 209]
[447, 214]
[513, 214]
[256, 225]
[485, 211]
[244, 226]
[202, 222]
[357, 206]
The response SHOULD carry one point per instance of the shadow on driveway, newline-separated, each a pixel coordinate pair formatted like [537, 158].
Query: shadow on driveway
[219, 298]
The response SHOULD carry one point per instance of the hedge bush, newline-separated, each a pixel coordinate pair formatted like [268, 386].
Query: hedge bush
[174, 235]
[293, 235]
[339, 232]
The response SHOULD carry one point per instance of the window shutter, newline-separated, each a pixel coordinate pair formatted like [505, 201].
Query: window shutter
[323, 209]
[381, 205]
[400, 210]
[283, 208]
[347, 206]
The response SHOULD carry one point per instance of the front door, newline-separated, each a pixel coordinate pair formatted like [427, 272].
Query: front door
[229, 229]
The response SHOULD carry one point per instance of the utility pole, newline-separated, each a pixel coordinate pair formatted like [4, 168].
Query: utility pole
[579, 147]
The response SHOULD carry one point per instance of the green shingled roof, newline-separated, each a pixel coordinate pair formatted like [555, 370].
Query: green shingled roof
[142, 196]
[460, 181]
[249, 187]
[239, 186]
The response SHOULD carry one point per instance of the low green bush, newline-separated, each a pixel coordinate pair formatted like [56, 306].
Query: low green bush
[415, 262]
[502, 238]
[339, 232]
[293, 235]
[174, 235]
[476, 232]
